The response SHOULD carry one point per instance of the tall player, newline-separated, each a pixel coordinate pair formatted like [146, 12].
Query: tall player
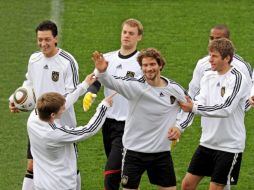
[49, 70]
[122, 63]
[218, 31]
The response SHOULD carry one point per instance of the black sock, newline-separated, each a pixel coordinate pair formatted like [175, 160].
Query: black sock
[29, 174]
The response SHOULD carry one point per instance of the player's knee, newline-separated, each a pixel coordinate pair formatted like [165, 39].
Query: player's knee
[30, 165]
[186, 185]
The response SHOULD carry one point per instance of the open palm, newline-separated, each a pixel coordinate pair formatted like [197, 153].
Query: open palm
[99, 61]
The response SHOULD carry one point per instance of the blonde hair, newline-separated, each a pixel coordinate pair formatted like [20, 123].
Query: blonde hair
[134, 23]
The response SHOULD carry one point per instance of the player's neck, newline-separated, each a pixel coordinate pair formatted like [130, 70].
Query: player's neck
[224, 70]
[53, 53]
[157, 82]
[51, 121]
[125, 52]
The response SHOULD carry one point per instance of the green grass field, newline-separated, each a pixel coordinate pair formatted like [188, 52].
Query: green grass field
[179, 29]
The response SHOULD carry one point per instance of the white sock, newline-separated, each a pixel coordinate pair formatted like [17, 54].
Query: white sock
[78, 181]
[227, 187]
[28, 184]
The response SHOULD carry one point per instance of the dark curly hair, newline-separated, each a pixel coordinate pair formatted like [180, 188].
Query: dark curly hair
[153, 53]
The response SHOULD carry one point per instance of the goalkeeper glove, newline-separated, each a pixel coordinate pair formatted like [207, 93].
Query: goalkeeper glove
[173, 143]
[88, 100]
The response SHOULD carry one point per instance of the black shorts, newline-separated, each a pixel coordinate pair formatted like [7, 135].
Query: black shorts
[222, 167]
[112, 131]
[159, 167]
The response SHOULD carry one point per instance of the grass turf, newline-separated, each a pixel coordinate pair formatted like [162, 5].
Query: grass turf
[179, 29]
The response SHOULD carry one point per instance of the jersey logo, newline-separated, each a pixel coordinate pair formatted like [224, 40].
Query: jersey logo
[222, 91]
[161, 94]
[130, 74]
[119, 66]
[46, 67]
[124, 180]
[55, 76]
[172, 99]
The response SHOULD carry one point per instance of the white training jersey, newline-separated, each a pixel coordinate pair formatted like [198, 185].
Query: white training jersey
[121, 66]
[221, 103]
[152, 111]
[55, 74]
[54, 155]
[204, 65]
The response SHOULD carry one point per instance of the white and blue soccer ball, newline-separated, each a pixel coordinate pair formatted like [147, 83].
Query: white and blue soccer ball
[24, 98]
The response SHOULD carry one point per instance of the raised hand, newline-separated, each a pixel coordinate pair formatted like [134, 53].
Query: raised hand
[99, 61]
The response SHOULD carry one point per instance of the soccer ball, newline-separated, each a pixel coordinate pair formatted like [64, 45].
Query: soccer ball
[24, 98]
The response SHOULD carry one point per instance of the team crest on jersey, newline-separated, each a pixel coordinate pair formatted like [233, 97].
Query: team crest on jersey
[130, 74]
[172, 99]
[124, 180]
[161, 94]
[55, 76]
[222, 91]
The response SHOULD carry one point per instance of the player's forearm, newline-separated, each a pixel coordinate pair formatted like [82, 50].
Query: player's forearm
[184, 120]
[95, 87]
[95, 123]
[112, 83]
[72, 135]
[105, 79]
[72, 97]
[220, 111]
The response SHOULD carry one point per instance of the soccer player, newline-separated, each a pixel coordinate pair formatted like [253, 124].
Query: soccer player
[49, 70]
[52, 144]
[221, 103]
[122, 63]
[203, 65]
[153, 108]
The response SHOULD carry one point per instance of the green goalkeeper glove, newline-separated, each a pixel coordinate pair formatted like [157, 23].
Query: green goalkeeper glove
[88, 100]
